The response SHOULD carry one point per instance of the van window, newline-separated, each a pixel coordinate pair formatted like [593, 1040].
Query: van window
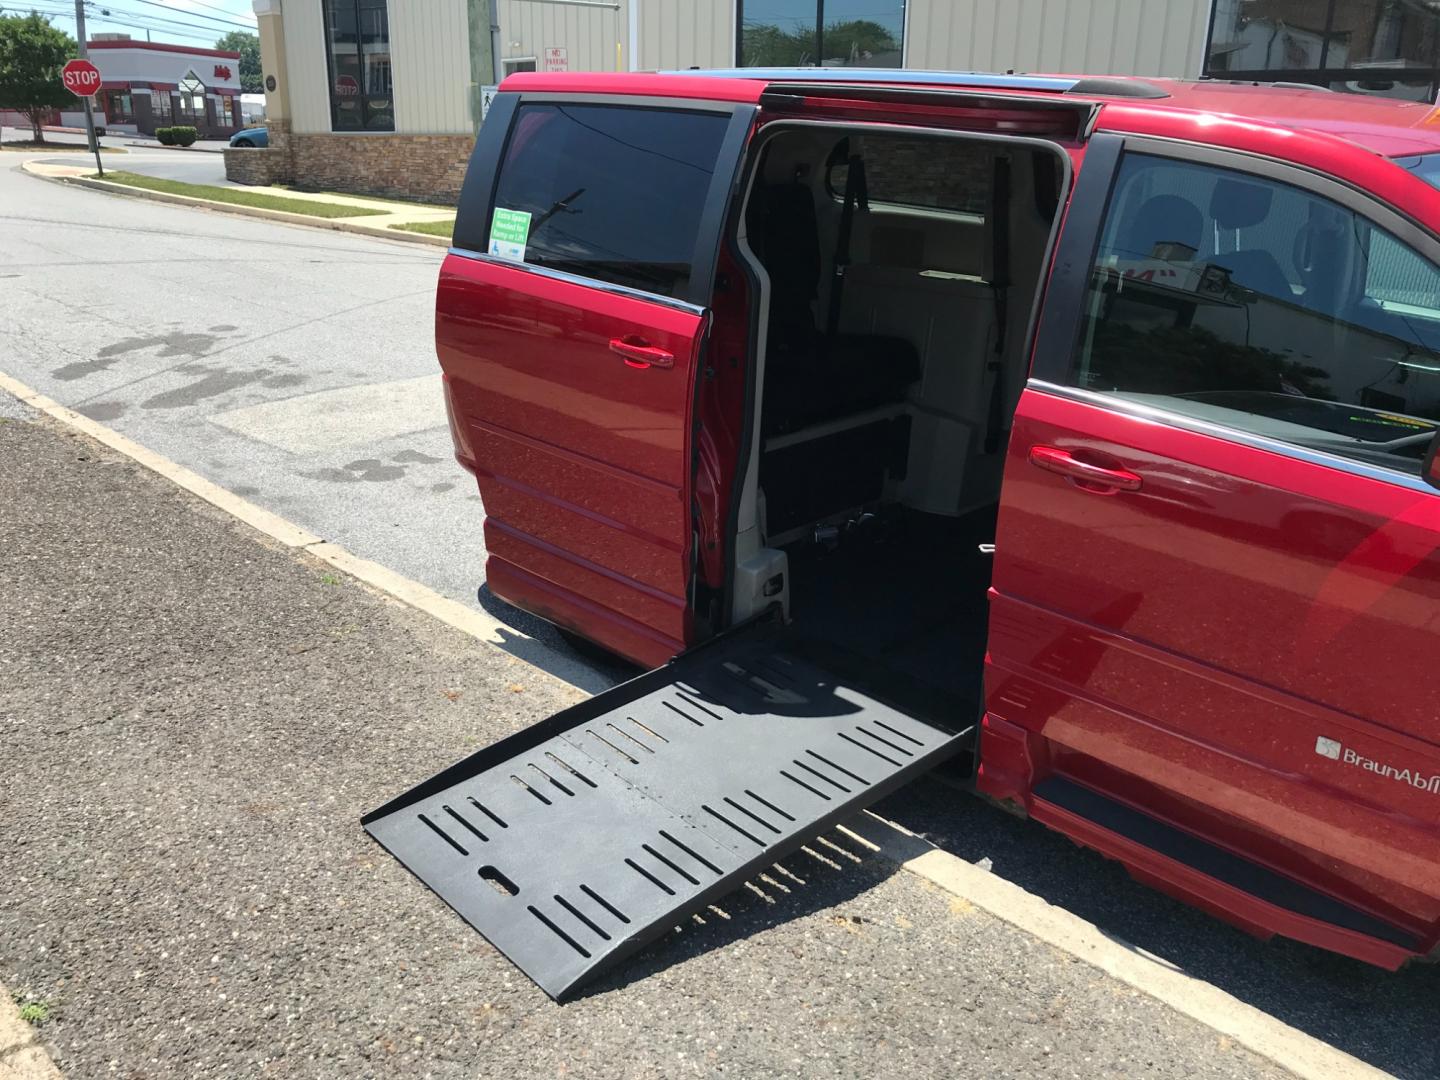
[608, 192]
[933, 174]
[1259, 306]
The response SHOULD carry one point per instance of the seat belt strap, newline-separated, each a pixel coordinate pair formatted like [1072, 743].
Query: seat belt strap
[1000, 288]
[856, 195]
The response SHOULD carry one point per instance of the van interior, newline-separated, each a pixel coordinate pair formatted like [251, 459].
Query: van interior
[897, 274]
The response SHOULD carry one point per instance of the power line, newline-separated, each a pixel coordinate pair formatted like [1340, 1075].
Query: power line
[236, 23]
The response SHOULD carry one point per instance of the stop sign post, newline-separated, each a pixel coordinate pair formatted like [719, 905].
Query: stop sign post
[81, 77]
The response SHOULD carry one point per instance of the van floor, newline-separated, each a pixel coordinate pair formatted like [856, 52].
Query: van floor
[902, 597]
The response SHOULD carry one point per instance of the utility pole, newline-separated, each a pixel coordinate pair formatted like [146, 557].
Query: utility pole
[89, 101]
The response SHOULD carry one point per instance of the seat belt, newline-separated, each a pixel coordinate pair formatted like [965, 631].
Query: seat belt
[1000, 288]
[856, 194]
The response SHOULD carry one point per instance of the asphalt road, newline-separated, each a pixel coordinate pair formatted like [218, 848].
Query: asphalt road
[193, 722]
[295, 366]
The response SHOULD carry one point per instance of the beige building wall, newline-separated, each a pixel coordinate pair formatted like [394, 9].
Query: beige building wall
[430, 66]
[1083, 37]
[594, 37]
[305, 62]
[687, 33]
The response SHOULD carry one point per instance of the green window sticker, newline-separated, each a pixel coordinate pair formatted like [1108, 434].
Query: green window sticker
[509, 229]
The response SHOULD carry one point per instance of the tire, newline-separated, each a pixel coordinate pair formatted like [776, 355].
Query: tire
[244, 142]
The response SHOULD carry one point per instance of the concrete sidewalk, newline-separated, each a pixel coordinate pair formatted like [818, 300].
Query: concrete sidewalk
[381, 217]
[194, 719]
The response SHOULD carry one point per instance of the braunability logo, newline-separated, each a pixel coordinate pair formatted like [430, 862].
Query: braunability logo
[1329, 748]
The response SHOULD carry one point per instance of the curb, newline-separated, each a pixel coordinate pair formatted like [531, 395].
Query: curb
[186, 149]
[1259, 1032]
[22, 1057]
[335, 225]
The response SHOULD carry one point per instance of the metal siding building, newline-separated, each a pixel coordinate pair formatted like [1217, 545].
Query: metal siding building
[385, 95]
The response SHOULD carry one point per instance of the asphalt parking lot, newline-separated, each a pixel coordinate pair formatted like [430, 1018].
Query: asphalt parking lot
[194, 721]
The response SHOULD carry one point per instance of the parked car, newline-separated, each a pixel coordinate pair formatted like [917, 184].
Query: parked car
[1088, 422]
[255, 136]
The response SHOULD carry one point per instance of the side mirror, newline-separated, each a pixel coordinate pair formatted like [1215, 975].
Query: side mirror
[1430, 471]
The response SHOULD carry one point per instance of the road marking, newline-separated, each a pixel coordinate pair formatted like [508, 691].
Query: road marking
[1256, 1030]
[348, 416]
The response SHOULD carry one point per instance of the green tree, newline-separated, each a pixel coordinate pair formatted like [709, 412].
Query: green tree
[32, 52]
[248, 46]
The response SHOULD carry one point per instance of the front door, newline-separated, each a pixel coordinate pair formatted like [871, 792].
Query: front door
[570, 325]
[1218, 570]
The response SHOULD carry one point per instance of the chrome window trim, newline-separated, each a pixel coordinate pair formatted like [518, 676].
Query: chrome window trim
[1157, 415]
[578, 279]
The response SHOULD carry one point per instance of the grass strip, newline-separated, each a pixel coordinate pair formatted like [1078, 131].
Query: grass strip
[429, 228]
[238, 196]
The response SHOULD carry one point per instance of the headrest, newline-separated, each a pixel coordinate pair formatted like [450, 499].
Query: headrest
[1236, 204]
[1164, 219]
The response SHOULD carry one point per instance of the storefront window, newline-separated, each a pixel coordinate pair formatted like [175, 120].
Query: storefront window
[222, 112]
[119, 107]
[357, 45]
[821, 33]
[1385, 47]
[160, 110]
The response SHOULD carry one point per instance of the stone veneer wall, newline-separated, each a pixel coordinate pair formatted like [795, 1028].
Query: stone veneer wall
[430, 167]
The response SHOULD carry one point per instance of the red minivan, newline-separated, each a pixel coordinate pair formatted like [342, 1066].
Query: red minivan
[1090, 422]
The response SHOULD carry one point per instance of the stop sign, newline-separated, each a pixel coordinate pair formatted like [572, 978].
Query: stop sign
[80, 77]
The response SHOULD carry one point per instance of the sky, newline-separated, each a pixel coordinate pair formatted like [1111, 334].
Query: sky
[182, 22]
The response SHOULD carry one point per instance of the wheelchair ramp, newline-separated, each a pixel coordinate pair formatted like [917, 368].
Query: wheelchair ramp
[579, 840]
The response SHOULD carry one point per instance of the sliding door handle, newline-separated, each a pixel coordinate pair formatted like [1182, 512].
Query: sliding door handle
[639, 353]
[1084, 474]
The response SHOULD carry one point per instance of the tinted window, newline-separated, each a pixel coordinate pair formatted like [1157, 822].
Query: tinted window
[608, 192]
[936, 174]
[1260, 306]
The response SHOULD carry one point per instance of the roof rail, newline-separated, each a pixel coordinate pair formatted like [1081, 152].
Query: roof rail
[1112, 87]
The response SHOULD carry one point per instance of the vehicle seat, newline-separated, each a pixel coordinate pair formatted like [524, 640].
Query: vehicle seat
[1237, 205]
[809, 379]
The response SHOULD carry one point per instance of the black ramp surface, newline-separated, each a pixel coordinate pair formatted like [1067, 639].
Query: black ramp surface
[575, 842]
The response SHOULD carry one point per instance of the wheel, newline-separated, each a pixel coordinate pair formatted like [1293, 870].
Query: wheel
[243, 142]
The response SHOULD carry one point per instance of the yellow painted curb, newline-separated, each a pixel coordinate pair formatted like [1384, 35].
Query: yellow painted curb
[1256, 1030]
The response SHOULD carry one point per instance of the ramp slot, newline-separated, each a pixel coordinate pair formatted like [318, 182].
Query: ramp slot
[444, 835]
[883, 741]
[552, 780]
[898, 734]
[838, 768]
[573, 910]
[498, 881]
[752, 816]
[768, 805]
[627, 735]
[721, 817]
[691, 879]
[561, 934]
[648, 731]
[690, 700]
[868, 749]
[488, 813]
[680, 712]
[807, 787]
[648, 876]
[692, 853]
[530, 789]
[478, 834]
[822, 776]
[606, 742]
[568, 768]
[605, 903]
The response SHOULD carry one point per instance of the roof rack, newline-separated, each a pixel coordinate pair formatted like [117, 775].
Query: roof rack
[1101, 86]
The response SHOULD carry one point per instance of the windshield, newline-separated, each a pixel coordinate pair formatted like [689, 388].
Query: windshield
[1426, 166]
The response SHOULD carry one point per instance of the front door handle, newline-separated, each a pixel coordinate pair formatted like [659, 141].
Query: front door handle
[1083, 474]
[639, 353]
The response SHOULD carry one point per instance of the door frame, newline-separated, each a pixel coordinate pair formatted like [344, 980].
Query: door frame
[746, 478]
